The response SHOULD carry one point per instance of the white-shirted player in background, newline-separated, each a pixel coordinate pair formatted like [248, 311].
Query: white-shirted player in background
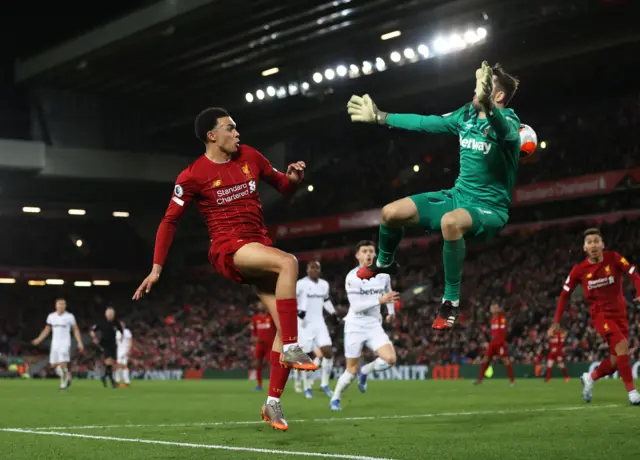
[125, 344]
[312, 293]
[61, 322]
[363, 323]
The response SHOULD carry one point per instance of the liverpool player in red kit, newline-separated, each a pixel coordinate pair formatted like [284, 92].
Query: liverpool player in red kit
[498, 345]
[556, 354]
[263, 331]
[601, 277]
[224, 183]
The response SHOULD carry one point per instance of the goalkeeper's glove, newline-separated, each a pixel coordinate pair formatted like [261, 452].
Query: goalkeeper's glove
[364, 110]
[484, 86]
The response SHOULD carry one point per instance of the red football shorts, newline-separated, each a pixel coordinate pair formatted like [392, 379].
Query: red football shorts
[221, 255]
[497, 349]
[554, 357]
[262, 351]
[613, 329]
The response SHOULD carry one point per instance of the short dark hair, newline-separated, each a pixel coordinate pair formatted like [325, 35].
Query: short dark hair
[60, 299]
[592, 231]
[207, 120]
[508, 83]
[362, 243]
[314, 262]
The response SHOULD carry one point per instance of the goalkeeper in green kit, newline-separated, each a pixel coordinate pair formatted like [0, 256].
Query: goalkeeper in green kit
[478, 204]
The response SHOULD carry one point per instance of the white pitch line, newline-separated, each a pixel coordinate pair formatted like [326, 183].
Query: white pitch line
[201, 446]
[332, 419]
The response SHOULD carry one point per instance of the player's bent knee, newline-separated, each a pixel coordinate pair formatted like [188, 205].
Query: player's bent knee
[288, 263]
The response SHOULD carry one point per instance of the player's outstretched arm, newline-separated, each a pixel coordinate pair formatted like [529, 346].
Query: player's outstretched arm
[183, 194]
[632, 273]
[284, 183]
[362, 109]
[43, 335]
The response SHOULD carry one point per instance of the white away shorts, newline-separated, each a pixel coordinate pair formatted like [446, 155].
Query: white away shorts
[373, 337]
[314, 335]
[123, 358]
[59, 355]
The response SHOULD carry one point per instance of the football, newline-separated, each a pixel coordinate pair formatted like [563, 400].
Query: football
[528, 141]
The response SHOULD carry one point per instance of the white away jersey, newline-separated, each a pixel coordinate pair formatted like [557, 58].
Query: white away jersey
[61, 329]
[123, 340]
[312, 297]
[364, 297]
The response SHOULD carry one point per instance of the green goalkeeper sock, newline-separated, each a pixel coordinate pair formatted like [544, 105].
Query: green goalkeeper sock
[453, 254]
[388, 240]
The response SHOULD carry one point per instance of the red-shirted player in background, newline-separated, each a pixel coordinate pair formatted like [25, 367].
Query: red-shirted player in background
[263, 331]
[498, 345]
[601, 277]
[556, 354]
[224, 183]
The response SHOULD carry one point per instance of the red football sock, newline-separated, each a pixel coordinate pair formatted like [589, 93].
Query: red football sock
[604, 368]
[288, 313]
[624, 368]
[549, 369]
[565, 372]
[510, 372]
[278, 376]
[483, 369]
[259, 374]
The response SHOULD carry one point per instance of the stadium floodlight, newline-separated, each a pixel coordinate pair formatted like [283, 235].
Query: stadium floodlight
[380, 64]
[54, 282]
[317, 77]
[82, 283]
[441, 45]
[354, 71]
[79, 243]
[366, 68]
[120, 214]
[281, 93]
[482, 32]
[7, 281]
[249, 97]
[543, 145]
[416, 168]
[456, 41]
[310, 188]
[31, 209]
[271, 71]
[395, 56]
[471, 37]
[390, 35]
[271, 91]
[341, 71]
[77, 212]
[260, 94]
[305, 86]
[293, 89]
[409, 53]
[329, 74]
[101, 282]
[36, 283]
[423, 50]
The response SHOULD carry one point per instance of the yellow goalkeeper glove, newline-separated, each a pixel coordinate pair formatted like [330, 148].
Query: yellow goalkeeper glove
[363, 110]
[484, 86]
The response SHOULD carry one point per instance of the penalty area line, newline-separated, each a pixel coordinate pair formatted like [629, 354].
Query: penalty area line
[331, 419]
[197, 446]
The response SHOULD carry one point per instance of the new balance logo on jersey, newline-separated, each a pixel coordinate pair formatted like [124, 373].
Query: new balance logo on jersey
[484, 147]
[600, 282]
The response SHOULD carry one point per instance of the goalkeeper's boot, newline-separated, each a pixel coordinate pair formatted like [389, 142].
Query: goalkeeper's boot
[272, 413]
[446, 317]
[587, 386]
[366, 273]
[295, 358]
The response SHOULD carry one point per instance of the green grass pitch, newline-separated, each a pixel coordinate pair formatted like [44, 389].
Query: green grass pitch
[219, 419]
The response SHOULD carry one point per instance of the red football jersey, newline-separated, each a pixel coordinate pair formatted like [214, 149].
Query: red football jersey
[556, 343]
[602, 284]
[499, 328]
[227, 197]
[263, 328]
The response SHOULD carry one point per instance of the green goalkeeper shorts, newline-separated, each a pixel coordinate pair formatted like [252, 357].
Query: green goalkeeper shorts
[487, 221]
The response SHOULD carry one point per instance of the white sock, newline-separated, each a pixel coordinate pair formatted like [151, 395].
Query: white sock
[307, 380]
[375, 366]
[125, 373]
[379, 265]
[118, 375]
[343, 383]
[327, 365]
[286, 347]
[633, 393]
[296, 375]
[63, 376]
[271, 398]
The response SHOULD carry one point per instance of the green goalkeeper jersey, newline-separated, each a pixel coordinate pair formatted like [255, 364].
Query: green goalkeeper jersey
[489, 150]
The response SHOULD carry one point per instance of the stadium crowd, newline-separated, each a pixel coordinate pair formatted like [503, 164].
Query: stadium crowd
[204, 324]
